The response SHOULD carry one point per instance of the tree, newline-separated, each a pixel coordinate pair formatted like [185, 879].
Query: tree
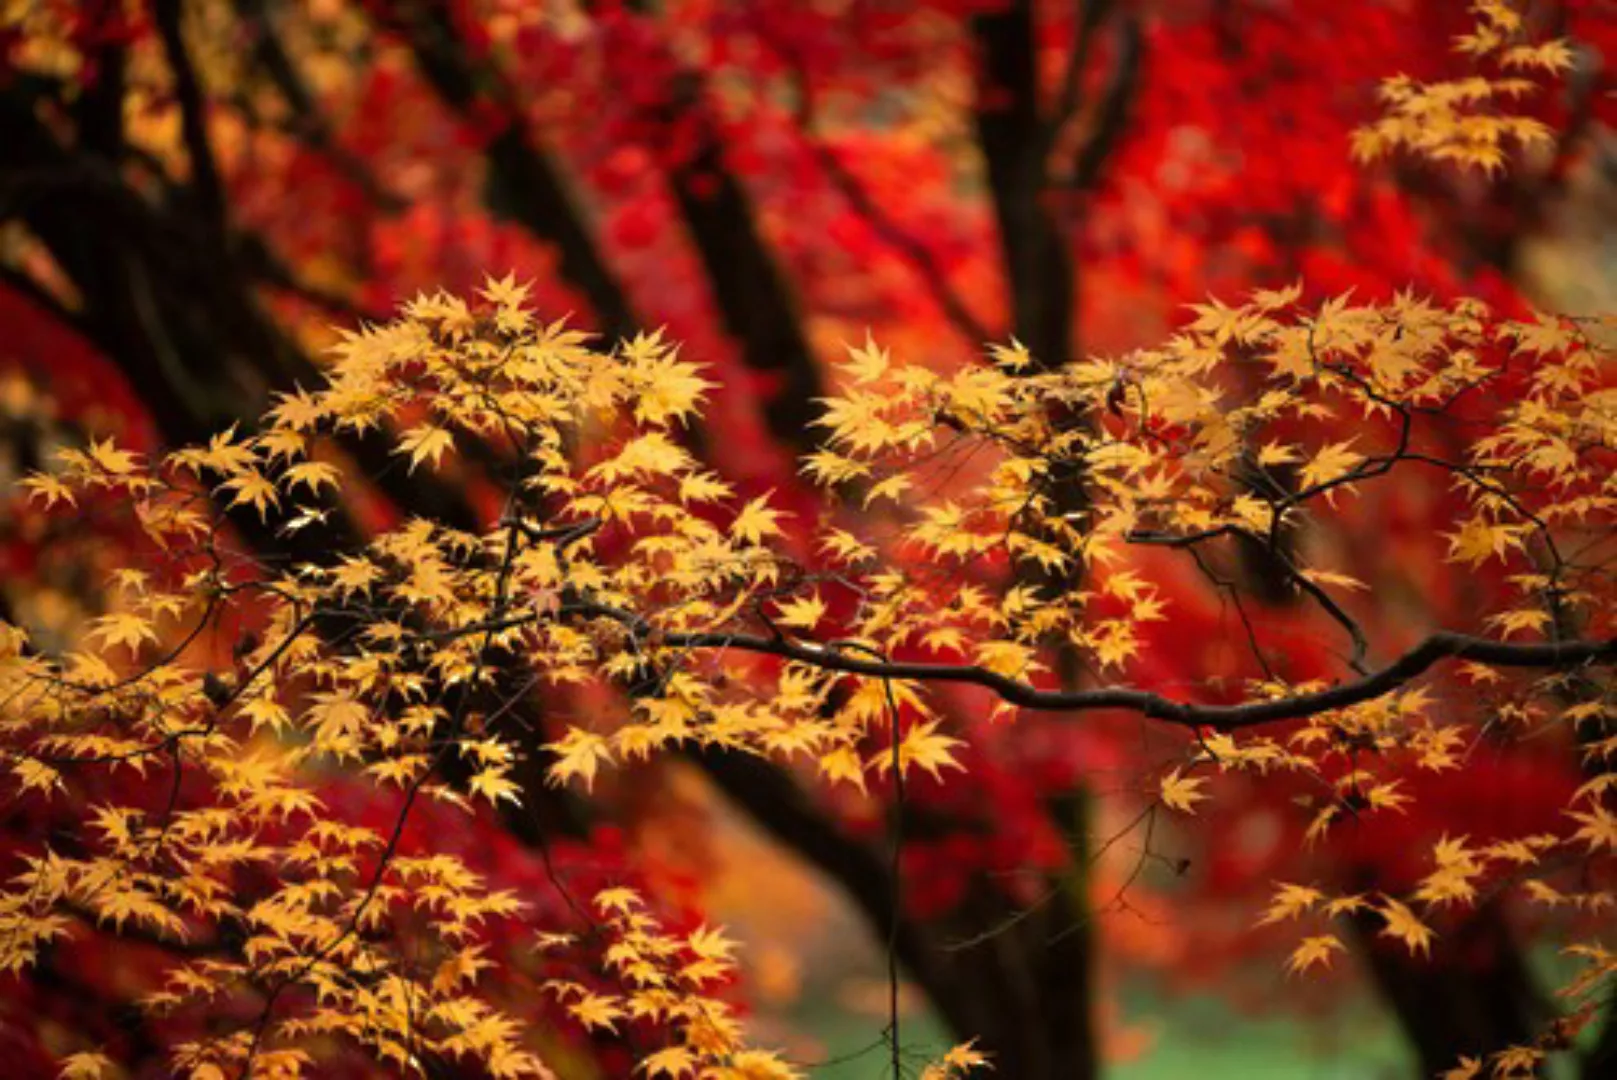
[581, 540]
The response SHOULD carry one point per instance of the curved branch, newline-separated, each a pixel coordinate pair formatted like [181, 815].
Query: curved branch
[1085, 25]
[908, 246]
[205, 179]
[1113, 110]
[904, 243]
[310, 124]
[1437, 647]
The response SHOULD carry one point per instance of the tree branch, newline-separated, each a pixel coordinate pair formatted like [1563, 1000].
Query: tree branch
[905, 243]
[311, 124]
[1112, 115]
[1070, 96]
[534, 193]
[1039, 269]
[1437, 647]
[23, 285]
[205, 181]
[853, 191]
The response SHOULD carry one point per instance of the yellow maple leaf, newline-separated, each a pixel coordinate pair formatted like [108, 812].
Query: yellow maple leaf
[844, 547]
[1313, 952]
[1517, 1062]
[867, 364]
[965, 1056]
[297, 410]
[618, 900]
[842, 763]
[505, 291]
[922, 745]
[1289, 902]
[1403, 924]
[1468, 1069]
[1344, 905]
[1386, 796]
[597, 1011]
[1275, 452]
[463, 966]
[87, 1065]
[1599, 827]
[494, 784]
[756, 521]
[105, 455]
[48, 489]
[754, 1065]
[578, 753]
[1479, 540]
[1182, 793]
[123, 628]
[312, 475]
[253, 488]
[667, 389]
[890, 488]
[674, 1062]
[1013, 357]
[960, 1059]
[425, 443]
[800, 613]
[1332, 463]
[703, 487]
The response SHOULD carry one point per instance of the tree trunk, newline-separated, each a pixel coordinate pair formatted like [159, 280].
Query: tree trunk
[1473, 996]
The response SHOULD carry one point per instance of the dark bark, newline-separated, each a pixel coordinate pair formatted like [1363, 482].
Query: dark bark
[754, 299]
[526, 185]
[309, 123]
[1018, 982]
[167, 299]
[1599, 1061]
[1264, 564]
[1014, 139]
[756, 302]
[1474, 995]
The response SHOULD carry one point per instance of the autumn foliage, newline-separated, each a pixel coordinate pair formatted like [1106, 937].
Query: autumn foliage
[330, 761]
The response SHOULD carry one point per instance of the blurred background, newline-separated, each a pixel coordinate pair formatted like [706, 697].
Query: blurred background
[198, 196]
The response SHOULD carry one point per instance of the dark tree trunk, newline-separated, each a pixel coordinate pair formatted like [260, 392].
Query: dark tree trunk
[1473, 996]
[1019, 982]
